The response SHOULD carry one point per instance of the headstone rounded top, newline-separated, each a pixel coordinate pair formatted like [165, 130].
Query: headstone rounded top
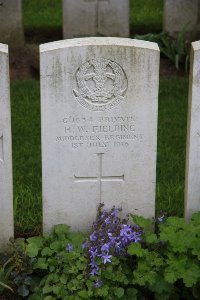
[196, 45]
[4, 48]
[98, 41]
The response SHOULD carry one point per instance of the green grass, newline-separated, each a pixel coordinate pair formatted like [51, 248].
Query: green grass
[25, 108]
[172, 120]
[146, 16]
[43, 18]
[27, 156]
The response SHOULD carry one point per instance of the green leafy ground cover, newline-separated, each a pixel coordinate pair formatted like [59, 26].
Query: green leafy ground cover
[27, 145]
[125, 259]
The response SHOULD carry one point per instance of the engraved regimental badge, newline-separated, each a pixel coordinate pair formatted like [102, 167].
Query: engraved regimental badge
[101, 84]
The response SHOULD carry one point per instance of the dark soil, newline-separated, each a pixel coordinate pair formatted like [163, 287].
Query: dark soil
[9, 296]
[24, 64]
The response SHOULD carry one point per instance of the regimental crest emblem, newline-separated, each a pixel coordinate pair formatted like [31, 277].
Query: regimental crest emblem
[101, 84]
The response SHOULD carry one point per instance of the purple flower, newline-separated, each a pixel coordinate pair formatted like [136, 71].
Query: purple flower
[118, 245]
[105, 248]
[93, 237]
[161, 219]
[110, 235]
[85, 245]
[136, 237]
[104, 213]
[126, 233]
[115, 213]
[93, 264]
[106, 258]
[98, 283]
[107, 221]
[94, 272]
[93, 253]
[69, 247]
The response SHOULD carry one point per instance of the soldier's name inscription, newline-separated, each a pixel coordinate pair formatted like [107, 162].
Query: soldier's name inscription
[101, 132]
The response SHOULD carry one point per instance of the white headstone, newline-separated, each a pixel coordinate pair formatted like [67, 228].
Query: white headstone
[99, 128]
[11, 27]
[95, 18]
[181, 13]
[6, 194]
[192, 183]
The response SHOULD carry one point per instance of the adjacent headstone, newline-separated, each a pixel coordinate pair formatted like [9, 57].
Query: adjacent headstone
[11, 27]
[6, 194]
[180, 14]
[95, 18]
[99, 128]
[192, 183]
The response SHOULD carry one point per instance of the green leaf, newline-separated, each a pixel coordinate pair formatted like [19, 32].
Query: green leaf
[146, 224]
[37, 240]
[23, 290]
[195, 218]
[28, 280]
[103, 291]
[136, 249]
[63, 279]
[77, 238]
[196, 291]
[61, 229]
[119, 292]
[58, 245]
[49, 298]
[47, 252]
[132, 294]
[41, 264]
[32, 250]
[151, 238]
[6, 286]
[47, 289]
[83, 294]
[161, 286]
[56, 290]
[145, 272]
[192, 274]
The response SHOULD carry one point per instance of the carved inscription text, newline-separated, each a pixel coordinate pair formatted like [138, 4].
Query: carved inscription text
[99, 132]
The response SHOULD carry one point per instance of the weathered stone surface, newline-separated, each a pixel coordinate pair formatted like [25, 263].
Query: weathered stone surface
[11, 27]
[179, 13]
[95, 18]
[192, 183]
[6, 192]
[99, 128]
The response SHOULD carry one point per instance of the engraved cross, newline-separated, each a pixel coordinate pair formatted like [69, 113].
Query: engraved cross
[100, 178]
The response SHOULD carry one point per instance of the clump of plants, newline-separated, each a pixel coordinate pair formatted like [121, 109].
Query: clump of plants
[121, 258]
[4, 277]
[177, 50]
